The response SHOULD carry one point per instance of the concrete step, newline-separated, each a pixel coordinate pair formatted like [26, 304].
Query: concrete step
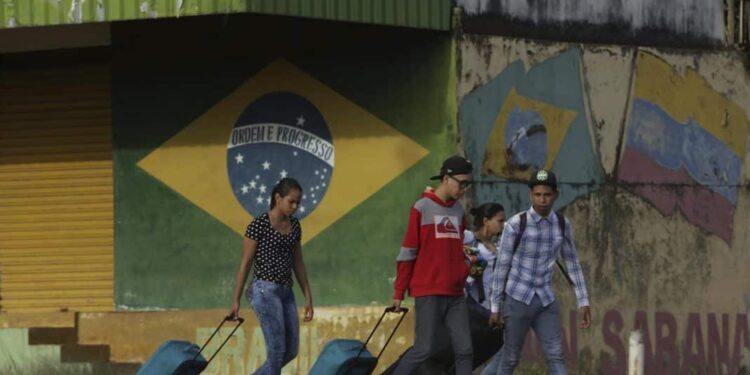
[121, 368]
[53, 336]
[72, 353]
[114, 368]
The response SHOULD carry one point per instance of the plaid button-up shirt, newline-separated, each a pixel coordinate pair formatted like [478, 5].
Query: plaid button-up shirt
[532, 265]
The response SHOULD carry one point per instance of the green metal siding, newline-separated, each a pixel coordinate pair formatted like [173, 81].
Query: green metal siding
[426, 14]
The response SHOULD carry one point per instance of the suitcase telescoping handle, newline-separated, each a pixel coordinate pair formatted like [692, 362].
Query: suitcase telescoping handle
[226, 319]
[390, 309]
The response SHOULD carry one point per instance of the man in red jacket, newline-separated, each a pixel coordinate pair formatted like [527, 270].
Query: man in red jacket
[431, 266]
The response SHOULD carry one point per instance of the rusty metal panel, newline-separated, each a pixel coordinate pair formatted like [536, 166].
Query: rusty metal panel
[427, 14]
[56, 202]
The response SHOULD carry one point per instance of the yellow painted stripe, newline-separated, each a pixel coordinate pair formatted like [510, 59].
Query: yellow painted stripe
[35, 217]
[56, 210]
[55, 233]
[52, 158]
[33, 107]
[72, 275]
[46, 192]
[31, 310]
[56, 202]
[53, 183]
[61, 284]
[51, 140]
[53, 252]
[99, 295]
[43, 126]
[659, 83]
[61, 199]
[100, 113]
[44, 304]
[75, 128]
[60, 257]
[41, 243]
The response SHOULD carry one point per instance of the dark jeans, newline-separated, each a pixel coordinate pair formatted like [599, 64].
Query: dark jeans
[434, 313]
[545, 321]
[275, 308]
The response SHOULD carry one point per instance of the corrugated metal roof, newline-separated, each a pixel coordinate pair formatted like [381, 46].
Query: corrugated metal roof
[426, 14]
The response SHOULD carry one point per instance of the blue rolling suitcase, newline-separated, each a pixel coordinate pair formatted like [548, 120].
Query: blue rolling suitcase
[176, 357]
[351, 357]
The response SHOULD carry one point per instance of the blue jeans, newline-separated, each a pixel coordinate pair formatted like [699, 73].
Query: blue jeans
[275, 308]
[493, 365]
[545, 320]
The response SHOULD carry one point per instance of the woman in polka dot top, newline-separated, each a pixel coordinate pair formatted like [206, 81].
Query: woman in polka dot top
[272, 245]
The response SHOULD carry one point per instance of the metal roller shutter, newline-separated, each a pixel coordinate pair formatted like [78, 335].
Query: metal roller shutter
[56, 198]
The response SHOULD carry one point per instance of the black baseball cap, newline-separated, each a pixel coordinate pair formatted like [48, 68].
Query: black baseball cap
[454, 165]
[543, 177]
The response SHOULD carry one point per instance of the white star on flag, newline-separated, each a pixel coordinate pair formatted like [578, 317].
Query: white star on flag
[244, 189]
[300, 121]
[259, 200]
[252, 185]
[283, 173]
[302, 209]
[262, 189]
[239, 158]
[266, 165]
[268, 200]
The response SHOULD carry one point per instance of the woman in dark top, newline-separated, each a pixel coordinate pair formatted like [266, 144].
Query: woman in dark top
[272, 243]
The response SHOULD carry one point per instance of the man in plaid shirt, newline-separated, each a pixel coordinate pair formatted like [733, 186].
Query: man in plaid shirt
[523, 280]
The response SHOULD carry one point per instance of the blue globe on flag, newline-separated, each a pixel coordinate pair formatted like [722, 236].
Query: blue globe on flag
[526, 140]
[281, 134]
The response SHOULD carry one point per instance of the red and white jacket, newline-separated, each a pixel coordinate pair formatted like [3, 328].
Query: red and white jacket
[431, 261]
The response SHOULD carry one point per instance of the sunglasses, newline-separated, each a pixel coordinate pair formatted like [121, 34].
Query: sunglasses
[462, 184]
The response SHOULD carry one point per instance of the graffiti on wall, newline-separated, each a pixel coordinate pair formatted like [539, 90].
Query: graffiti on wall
[698, 343]
[684, 152]
[654, 237]
[520, 121]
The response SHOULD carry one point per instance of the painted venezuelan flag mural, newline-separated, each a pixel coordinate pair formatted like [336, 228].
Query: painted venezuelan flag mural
[692, 143]
[361, 121]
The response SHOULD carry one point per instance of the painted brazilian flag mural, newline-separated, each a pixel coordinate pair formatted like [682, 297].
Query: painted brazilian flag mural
[361, 119]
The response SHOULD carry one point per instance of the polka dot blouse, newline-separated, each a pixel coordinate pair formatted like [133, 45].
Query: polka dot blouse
[274, 256]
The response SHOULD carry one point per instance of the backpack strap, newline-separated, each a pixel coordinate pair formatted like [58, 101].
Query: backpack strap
[519, 235]
[516, 243]
[561, 223]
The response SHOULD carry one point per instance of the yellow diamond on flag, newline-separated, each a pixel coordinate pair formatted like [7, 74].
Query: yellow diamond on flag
[356, 153]
[555, 120]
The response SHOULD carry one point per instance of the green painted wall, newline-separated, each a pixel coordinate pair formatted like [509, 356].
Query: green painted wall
[169, 253]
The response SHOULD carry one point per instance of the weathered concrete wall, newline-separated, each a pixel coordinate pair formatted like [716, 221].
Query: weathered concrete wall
[651, 147]
[669, 22]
